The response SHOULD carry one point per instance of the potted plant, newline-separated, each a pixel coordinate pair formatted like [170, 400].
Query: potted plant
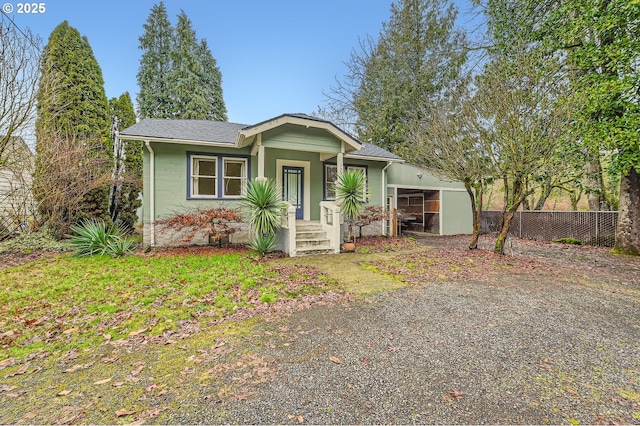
[351, 197]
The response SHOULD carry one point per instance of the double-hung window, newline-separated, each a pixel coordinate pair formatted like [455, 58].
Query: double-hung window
[235, 177]
[204, 172]
[331, 175]
[214, 176]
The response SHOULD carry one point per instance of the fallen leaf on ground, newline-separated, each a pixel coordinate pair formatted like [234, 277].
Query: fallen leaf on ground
[7, 388]
[335, 359]
[19, 372]
[30, 415]
[78, 367]
[137, 370]
[64, 392]
[123, 412]
[455, 393]
[6, 362]
[102, 382]
[299, 418]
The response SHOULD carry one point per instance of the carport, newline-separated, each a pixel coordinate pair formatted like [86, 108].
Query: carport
[419, 201]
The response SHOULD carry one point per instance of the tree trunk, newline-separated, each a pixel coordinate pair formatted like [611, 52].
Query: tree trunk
[546, 193]
[628, 232]
[476, 212]
[574, 197]
[595, 186]
[517, 196]
[504, 231]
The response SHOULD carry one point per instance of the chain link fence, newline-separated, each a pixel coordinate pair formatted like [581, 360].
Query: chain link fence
[589, 227]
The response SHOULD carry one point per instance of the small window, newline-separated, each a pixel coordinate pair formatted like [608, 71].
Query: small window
[330, 176]
[363, 170]
[235, 176]
[204, 176]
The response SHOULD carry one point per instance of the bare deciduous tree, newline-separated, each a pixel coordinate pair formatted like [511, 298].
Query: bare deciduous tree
[524, 112]
[67, 171]
[19, 72]
[446, 141]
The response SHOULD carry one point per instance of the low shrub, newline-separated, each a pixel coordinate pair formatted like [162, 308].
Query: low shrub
[29, 242]
[215, 222]
[568, 241]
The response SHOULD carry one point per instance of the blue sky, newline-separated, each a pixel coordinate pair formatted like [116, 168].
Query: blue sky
[275, 56]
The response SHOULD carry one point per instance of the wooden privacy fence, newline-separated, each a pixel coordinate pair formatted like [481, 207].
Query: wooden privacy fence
[589, 227]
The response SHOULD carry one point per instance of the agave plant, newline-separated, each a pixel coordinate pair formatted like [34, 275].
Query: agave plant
[350, 195]
[264, 204]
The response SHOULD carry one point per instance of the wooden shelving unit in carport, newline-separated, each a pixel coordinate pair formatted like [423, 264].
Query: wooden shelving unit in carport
[420, 210]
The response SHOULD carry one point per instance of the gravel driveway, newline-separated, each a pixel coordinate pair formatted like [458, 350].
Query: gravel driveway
[558, 343]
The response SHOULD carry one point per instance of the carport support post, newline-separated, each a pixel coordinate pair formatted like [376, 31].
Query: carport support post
[520, 230]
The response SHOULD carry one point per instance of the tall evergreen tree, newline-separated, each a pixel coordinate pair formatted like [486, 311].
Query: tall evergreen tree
[154, 98]
[72, 105]
[127, 155]
[211, 81]
[178, 76]
[71, 98]
[417, 54]
[185, 79]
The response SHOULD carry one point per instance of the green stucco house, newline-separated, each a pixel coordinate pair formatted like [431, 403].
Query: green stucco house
[192, 164]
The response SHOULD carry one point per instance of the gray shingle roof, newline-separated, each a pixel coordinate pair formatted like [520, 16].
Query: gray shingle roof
[221, 132]
[370, 150]
[192, 130]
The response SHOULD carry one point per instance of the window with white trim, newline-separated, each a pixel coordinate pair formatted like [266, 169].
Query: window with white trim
[204, 171]
[330, 176]
[234, 177]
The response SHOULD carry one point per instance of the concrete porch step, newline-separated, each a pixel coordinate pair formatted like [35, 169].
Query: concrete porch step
[313, 242]
[314, 250]
[311, 239]
[310, 235]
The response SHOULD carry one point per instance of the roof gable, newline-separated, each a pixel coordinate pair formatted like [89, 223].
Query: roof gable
[246, 136]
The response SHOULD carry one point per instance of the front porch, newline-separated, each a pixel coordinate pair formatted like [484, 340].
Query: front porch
[306, 237]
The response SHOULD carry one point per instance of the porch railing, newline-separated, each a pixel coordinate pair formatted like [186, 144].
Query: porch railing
[288, 236]
[330, 219]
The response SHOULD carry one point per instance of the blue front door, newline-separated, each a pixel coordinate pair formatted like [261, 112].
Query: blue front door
[293, 188]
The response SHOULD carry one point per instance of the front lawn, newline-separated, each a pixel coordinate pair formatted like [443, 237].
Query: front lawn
[64, 303]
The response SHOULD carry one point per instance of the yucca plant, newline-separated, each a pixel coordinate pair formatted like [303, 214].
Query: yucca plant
[263, 243]
[264, 204]
[121, 246]
[351, 195]
[93, 236]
